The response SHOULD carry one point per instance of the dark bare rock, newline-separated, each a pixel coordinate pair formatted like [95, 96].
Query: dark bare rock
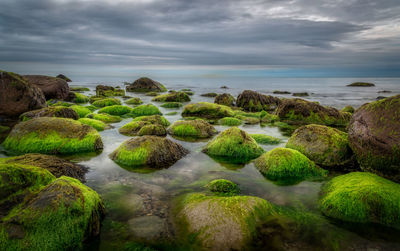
[374, 136]
[225, 99]
[52, 111]
[281, 92]
[18, 96]
[64, 77]
[224, 87]
[209, 95]
[300, 94]
[384, 91]
[380, 97]
[53, 88]
[254, 102]
[145, 85]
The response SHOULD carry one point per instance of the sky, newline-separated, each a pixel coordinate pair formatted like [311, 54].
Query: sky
[313, 38]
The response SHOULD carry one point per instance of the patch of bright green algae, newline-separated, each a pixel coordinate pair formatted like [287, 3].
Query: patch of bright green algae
[106, 118]
[192, 128]
[116, 110]
[107, 102]
[134, 101]
[81, 110]
[52, 136]
[172, 105]
[230, 121]
[172, 97]
[362, 197]
[223, 187]
[265, 139]
[207, 110]
[96, 124]
[144, 110]
[80, 98]
[287, 166]
[145, 125]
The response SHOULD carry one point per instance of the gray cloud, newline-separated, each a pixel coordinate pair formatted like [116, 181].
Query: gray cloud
[284, 33]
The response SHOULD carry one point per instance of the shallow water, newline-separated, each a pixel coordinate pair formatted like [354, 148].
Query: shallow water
[139, 201]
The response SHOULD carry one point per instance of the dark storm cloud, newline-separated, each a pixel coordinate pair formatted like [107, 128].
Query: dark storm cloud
[177, 32]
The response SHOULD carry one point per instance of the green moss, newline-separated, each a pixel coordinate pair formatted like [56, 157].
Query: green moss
[52, 136]
[81, 110]
[171, 113]
[190, 93]
[106, 102]
[80, 98]
[234, 144]
[207, 110]
[106, 118]
[172, 97]
[153, 119]
[145, 125]
[348, 108]
[92, 107]
[152, 94]
[229, 121]
[112, 93]
[287, 166]
[362, 197]
[116, 110]
[96, 124]
[79, 89]
[145, 110]
[268, 118]
[192, 128]
[134, 101]
[126, 156]
[53, 102]
[265, 139]
[152, 129]
[172, 105]
[223, 187]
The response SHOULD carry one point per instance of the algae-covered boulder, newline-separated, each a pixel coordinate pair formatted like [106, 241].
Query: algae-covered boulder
[225, 99]
[348, 108]
[82, 111]
[172, 105]
[361, 84]
[52, 87]
[287, 166]
[362, 197]
[56, 166]
[96, 124]
[62, 76]
[106, 118]
[77, 97]
[52, 136]
[18, 96]
[153, 119]
[151, 151]
[108, 91]
[197, 128]
[324, 145]
[145, 85]
[52, 111]
[265, 139]
[230, 121]
[145, 125]
[223, 187]
[234, 144]
[207, 110]
[106, 102]
[116, 110]
[301, 111]
[40, 212]
[374, 136]
[134, 101]
[254, 102]
[172, 97]
[145, 110]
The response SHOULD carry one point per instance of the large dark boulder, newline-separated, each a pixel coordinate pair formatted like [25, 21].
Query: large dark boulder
[225, 99]
[18, 96]
[374, 136]
[62, 76]
[254, 102]
[52, 111]
[52, 87]
[145, 85]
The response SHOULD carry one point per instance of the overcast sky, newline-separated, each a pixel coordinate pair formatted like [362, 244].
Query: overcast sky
[317, 37]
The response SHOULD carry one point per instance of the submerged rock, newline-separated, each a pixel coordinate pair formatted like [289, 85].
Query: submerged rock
[145, 85]
[235, 145]
[52, 111]
[209, 94]
[207, 110]
[361, 84]
[225, 99]
[374, 136]
[52, 87]
[151, 151]
[172, 97]
[52, 136]
[300, 94]
[192, 128]
[254, 102]
[18, 96]
[324, 145]
[62, 76]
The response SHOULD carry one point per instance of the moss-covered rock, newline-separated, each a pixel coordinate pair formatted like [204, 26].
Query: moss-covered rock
[134, 101]
[153, 119]
[45, 213]
[82, 111]
[234, 144]
[300, 111]
[106, 118]
[106, 102]
[96, 124]
[254, 102]
[145, 85]
[209, 95]
[172, 97]
[77, 97]
[324, 145]
[78, 89]
[152, 94]
[54, 102]
[52, 111]
[145, 110]
[361, 84]
[362, 197]
[52, 136]
[207, 110]
[230, 121]
[171, 113]
[151, 151]
[116, 110]
[197, 128]
[223, 187]
[287, 166]
[145, 125]
[56, 166]
[374, 136]
[108, 91]
[265, 139]
[156, 129]
[348, 109]
[225, 99]
[172, 105]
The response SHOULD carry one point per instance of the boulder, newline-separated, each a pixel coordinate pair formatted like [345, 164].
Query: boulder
[134, 101]
[106, 102]
[209, 95]
[96, 124]
[230, 121]
[264, 139]
[52, 87]
[64, 77]
[18, 96]
[52, 111]
[374, 136]
[254, 102]
[145, 125]
[361, 84]
[207, 110]
[197, 128]
[172, 97]
[108, 91]
[326, 146]
[150, 151]
[225, 99]
[106, 118]
[300, 111]
[145, 85]
[223, 187]
[145, 110]
[52, 136]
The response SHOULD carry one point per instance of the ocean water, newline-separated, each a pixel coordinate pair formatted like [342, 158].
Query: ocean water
[140, 201]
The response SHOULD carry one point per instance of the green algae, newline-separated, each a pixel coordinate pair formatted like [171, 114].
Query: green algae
[172, 97]
[79, 98]
[265, 139]
[106, 118]
[230, 121]
[106, 102]
[192, 128]
[81, 110]
[152, 129]
[348, 108]
[144, 110]
[134, 101]
[223, 187]
[207, 110]
[153, 119]
[172, 105]
[79, 89]
[96, 124]
[116, 110]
